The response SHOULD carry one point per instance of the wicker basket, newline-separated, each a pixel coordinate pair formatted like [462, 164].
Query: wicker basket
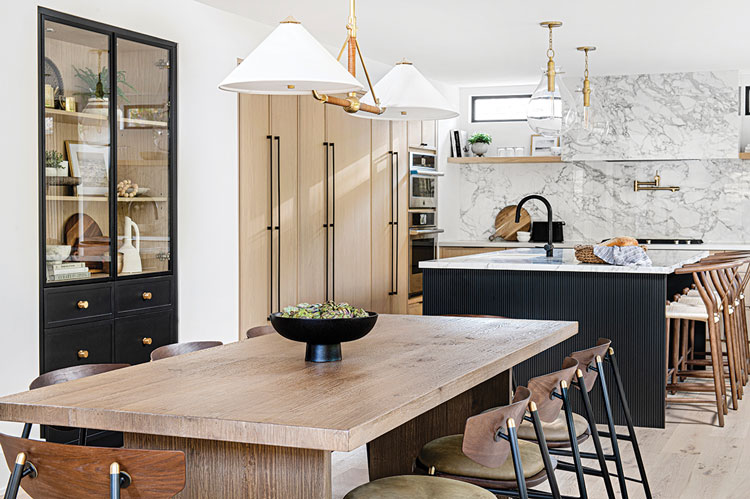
[585, 254]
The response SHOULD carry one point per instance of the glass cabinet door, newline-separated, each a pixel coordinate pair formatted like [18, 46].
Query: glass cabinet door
[76, 138]
[143, 158]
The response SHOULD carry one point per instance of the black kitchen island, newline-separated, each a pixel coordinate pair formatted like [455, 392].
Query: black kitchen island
[624, 304]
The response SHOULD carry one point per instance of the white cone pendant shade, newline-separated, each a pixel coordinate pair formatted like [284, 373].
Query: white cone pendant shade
[407, 95]
[290, 62]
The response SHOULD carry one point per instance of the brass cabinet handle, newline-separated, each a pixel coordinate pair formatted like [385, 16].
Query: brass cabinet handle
[147, 341]
[83, 354]
[147, 295]
[83, 304]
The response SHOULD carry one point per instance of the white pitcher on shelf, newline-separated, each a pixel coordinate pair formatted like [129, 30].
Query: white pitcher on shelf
[131, 259]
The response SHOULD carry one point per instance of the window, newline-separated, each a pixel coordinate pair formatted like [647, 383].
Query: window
[500, 108]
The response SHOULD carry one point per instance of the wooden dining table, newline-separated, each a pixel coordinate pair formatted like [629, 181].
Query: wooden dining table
[255, 420]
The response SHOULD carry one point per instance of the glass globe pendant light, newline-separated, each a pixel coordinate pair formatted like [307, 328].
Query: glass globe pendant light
[552, 111]
[593, 125]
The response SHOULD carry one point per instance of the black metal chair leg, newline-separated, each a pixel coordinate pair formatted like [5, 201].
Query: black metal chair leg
[26, 430]
[594, 435]
[82, 436]
[611, 426]
[515, 454]
[21, 469]
[573, 441]
[114, 481]
[551, 479]
[631, 431]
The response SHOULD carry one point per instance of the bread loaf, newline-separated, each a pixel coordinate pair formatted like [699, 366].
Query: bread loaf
[621, 241]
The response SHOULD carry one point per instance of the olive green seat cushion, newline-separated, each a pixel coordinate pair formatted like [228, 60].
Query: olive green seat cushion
[446, 456]
[555, 431]
[418, 487]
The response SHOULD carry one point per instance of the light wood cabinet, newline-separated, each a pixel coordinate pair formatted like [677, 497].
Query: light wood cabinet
[422, 134]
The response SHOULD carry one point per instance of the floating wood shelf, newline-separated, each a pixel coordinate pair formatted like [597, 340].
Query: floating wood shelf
[141, 199]
[515, 159]
[74, 116]
[745, 155]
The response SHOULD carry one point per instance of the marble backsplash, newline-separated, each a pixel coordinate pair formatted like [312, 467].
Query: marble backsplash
[665, 116]
[597, 201]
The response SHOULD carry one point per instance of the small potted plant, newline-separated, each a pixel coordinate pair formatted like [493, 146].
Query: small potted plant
[54, 166]
[480, 143]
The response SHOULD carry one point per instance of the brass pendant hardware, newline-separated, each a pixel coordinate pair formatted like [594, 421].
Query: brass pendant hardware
[147, 341]
[654, 185]
[550, 54]
[83, 304]
[586, 83]
[83, 354]
[351, 104]
[290, 20]
[147, 295]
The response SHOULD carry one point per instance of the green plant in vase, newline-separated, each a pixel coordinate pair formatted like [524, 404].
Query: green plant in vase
[480, 143]
[97, 84]
[53, 163]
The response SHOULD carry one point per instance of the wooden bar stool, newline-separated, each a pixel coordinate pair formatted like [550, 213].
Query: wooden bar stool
[480, 455]
[175, 349]
[418, 487]
[70, 374]
[56, 471]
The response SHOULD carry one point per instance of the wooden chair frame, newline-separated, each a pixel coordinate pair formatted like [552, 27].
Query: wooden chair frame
[174, 349]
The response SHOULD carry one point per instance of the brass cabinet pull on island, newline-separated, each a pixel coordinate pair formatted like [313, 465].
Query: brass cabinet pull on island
[147, 295]
[83, 304]
[147, 341]
[83, 354]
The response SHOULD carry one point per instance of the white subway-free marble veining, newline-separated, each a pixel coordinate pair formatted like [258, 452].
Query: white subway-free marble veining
[665, 116]
[563, 260]
[596, 199]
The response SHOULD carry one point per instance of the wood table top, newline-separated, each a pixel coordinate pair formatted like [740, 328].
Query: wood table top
[262, 391]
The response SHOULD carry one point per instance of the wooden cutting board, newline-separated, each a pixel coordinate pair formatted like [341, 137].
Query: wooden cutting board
[85, 236]
[506, 226]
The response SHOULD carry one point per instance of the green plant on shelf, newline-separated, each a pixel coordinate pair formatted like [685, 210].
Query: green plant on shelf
[53, 159]
[481, 138]
[97, 84]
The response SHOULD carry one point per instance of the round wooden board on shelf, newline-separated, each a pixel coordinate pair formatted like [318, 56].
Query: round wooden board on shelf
[86, 237]
[506, 226]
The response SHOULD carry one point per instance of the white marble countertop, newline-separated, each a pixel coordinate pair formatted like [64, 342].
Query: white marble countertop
[499, 243]
[564, 260]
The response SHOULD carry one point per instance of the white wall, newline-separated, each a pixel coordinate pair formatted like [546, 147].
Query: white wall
[209, 41]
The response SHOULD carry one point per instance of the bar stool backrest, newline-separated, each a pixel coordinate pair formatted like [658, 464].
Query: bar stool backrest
[182, 348]
[256, 331]
[481, 443]
[65, 471]
[588, 357]
[71, 373]
[542, 388]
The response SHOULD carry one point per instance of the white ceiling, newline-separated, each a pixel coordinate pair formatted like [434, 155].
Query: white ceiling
[485, 42]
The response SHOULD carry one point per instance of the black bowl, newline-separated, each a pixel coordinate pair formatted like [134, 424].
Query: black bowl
[323, 336]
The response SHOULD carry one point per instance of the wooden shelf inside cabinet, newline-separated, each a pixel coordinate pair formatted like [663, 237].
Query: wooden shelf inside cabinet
[74, 116]
[104, 199]
[745, 155]
[515, 159]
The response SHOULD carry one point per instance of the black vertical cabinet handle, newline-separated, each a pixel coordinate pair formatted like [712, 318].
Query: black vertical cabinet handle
[392, 223]
[270, 222]
[333, 221]
[278, 221]
[325, 225]
[395, 223]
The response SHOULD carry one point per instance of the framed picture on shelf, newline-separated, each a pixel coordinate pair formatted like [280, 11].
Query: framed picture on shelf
[145, 112]
[91, 163]
[542, 146]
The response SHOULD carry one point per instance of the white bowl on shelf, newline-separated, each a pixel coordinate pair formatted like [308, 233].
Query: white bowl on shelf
[523, 236]
[57, 252]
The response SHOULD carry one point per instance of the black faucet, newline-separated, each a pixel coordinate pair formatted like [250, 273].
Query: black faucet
[549, 247]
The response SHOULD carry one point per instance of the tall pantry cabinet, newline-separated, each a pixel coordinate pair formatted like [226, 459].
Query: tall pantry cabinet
[318, 219]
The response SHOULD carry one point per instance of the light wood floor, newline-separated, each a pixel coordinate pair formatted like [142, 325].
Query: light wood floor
[691, 458]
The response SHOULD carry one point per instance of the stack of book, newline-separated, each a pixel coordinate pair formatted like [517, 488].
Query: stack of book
[65, 271]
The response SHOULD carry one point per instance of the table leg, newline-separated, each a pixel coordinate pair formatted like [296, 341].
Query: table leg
[393, 453]
[230, 469]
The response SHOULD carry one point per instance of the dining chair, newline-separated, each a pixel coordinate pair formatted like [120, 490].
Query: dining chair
[56, 471]
[490, 455]
[175, 349]
[70, 374]
[256, 331]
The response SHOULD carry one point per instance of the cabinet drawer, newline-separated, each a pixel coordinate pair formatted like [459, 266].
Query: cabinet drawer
[137, 337]
[77, 304]
[144, 294]
[89, 343]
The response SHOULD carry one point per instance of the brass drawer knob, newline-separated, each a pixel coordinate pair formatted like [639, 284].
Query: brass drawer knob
[83, 304]
[147, 295]
[147, 341]
[83, 354]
